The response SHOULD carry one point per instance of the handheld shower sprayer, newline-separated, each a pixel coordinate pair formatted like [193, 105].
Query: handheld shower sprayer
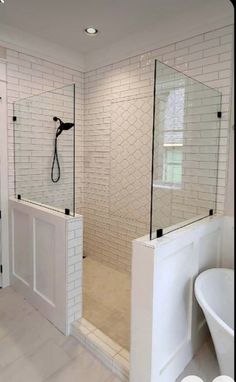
[63, 126]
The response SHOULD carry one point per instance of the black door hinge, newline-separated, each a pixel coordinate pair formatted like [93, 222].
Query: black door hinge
[1, 268]
[14, 118]
[219, 114]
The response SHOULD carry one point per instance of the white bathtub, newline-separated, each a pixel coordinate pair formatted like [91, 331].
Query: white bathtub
[214, 291]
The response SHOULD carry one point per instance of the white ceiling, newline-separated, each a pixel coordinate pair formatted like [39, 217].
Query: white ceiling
[62, 22]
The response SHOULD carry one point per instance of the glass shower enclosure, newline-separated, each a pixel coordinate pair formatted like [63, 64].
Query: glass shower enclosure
[44, 149]
[186, 133]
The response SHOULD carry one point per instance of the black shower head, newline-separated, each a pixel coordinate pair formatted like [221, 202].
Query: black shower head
[62, 126]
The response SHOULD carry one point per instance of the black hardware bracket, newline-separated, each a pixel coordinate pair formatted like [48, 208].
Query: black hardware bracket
[14, 118]
[67, 211]
[219, 114]
[19, 196]
[211, 212]
[159, 232]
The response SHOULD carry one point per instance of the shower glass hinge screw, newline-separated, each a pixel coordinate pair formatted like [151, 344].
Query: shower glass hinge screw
[67, 211]
[159, 232]
[211, 212]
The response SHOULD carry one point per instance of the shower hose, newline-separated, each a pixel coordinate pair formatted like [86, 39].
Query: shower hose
[55, 162]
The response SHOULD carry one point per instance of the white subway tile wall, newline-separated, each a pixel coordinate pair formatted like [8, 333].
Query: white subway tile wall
[34, 148]
[117, 203]
[35, 129]
[74, 270]
[106, 98]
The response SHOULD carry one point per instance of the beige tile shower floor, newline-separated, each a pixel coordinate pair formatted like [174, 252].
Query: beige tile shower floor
[106, 300]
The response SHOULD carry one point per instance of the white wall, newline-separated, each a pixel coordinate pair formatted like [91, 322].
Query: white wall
[4, 257]
[167, 325]
[227, 249]
[229, 196]
[46, 249]
[228, 240]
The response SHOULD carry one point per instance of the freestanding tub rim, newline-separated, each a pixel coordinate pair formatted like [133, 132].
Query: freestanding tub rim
[202, 300]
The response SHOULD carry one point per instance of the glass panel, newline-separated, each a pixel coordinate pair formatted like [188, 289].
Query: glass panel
[185, 150]
[44, 149]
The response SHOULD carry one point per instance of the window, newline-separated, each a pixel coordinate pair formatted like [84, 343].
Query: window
[172, 166]
[173, 138]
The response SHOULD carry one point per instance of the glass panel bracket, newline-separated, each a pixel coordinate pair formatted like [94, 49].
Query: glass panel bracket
[159, 232]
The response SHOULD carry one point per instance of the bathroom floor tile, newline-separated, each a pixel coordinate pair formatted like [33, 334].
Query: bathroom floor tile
[33, 350]
[203, 365]
[48, 359]
[72, 348]
[84, 368]
[20, 371]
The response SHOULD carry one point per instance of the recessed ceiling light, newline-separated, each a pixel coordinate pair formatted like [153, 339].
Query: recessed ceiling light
[91, 31]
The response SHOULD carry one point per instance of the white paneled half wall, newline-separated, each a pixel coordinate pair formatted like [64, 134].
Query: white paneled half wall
[167, 325]
[46, 261]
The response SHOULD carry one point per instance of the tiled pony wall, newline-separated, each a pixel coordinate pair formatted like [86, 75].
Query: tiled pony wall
[114, 132]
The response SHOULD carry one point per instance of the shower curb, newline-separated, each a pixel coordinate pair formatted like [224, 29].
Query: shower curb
[112, 355]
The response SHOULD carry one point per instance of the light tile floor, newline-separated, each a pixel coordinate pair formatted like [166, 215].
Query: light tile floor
[106, 300]
[33, 350]
[203, 365]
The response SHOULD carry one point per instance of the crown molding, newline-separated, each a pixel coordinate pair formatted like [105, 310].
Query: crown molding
[129, 47]
[23, 42]
[149, 40]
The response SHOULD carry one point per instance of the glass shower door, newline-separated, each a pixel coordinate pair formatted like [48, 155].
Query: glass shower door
[0, 233]
[44, 149]
[186, 132]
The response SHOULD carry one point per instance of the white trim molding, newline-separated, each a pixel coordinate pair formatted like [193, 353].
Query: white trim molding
[26, 43]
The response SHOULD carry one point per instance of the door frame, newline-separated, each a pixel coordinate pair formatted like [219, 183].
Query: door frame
[4, 174]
